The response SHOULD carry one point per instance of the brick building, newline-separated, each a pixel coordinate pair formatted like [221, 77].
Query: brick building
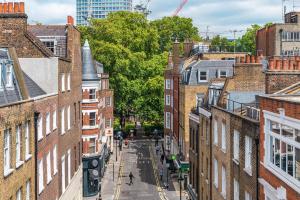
[97, 122]
[280, 38]
[279, 147]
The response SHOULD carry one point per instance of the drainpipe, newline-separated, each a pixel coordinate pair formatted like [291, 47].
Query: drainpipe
[257, 167]
[36, 115]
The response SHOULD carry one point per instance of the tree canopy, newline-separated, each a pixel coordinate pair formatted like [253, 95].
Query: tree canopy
[134, 52]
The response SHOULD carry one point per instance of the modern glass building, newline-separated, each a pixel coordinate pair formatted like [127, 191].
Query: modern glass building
[99, 8]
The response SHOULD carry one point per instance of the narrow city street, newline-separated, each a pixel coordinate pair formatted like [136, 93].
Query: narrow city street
[138, 158]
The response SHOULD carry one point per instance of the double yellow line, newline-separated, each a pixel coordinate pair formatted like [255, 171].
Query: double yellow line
[119, 183]
[161, 193]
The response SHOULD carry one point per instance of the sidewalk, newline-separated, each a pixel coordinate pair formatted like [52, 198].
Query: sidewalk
[110, 179]
[173, 191]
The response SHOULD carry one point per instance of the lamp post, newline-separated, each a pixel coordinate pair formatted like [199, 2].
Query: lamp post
[180, 179]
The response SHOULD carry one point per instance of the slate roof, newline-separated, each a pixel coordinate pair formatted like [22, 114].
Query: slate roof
[47, 30]
[33, 89]
[88, 65]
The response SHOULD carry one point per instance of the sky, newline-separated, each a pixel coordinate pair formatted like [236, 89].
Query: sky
[212, 17]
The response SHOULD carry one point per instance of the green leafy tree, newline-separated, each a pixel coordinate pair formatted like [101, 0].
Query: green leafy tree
[222, 44]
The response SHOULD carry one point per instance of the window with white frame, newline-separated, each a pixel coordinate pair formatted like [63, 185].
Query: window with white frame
[63, 121]
[27, 190]
[236, 190]
[168, 84]
[48, 129]
[54, 154]
[203, 76]
[48, 159]
[7, 150]
[108, 123]
[9, 76]
[168, 120]
[248, 196]
[54, 118]
[50, 44]
[222, 74]
[63, 174]
[63, 83]
[282, 135]
[41, 176]
[69, 117]
[18, 145]
[92, 119]
[216, 176]
[69, 166]
[40, 127]
[69, 82]
[92, 145]
[168, 100]
[27, 139]
[19, 194]
[216, 132]
[92, 94]
[223, 136]
[107, 101]
[248, 154]
[223, 182]
[236, 145]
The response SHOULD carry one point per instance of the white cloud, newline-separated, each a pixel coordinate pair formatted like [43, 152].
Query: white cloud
[220, 15]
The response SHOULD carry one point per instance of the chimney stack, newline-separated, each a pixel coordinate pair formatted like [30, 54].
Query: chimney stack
[12, 8]
[70, 20]
[176, 56]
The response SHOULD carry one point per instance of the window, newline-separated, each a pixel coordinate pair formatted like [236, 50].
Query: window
[41, 174]
[107, 101]
[50, 44]
[27, 140]
[27, 190]
[236, 190]
[92, 145]
[69, 82]
[222, 74]
[202, 76]
[54, 154]
[248, 154]
[6, 150]
[168, 120]
[92, 94]
[19, 194]
[40, 128]
[63, 121]
[69, 117]
[215, 132]
[216, 173]
[18, 145]
[49, 178]
[168, 100]
[248, 196]
[9, 76]
[92, 119]
[223, 182]
[107, 123]
[63, 83]
[223, 136]
[69, 166]
[236, 145]
[54, 122]
[48, 130]
[63, 174]
[168, 84]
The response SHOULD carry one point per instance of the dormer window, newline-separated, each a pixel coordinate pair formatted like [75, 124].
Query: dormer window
[222, 74]
[9, 74]
[203, 76]
[50, 44]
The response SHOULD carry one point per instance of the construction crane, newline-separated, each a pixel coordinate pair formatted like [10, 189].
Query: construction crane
[143, 8]
[180, 7]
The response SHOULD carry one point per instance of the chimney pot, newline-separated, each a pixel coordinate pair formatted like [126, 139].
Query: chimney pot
[242, 59]
[252, 59]
[5, 8]
[10, 7]
[16, 7]
[248, 59]
[70, 20]
[271, 64]
[1, 7]
[278, 65]
[285, 65]
[22, 7]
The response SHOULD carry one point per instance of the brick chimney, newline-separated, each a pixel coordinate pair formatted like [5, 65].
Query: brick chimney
[13, 22]
[187, 47]
[70, 20]
[176, 56]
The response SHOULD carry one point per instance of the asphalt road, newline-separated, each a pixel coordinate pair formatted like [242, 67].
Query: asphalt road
[139, 160]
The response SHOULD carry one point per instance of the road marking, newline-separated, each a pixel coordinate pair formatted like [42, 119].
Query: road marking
[119, 183]
[161, 192]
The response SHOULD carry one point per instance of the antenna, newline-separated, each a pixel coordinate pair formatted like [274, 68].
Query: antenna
[234, 38]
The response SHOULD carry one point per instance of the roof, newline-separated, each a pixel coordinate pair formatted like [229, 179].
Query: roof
[47, 30]
[88, 65]
[293, 89]
[32, 87]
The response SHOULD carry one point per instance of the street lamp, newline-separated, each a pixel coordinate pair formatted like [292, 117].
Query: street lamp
[180, 179]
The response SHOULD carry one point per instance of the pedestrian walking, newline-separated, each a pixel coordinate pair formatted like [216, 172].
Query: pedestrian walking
[157, 148]
[161, 173]
[162, 157]
[131, 178]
